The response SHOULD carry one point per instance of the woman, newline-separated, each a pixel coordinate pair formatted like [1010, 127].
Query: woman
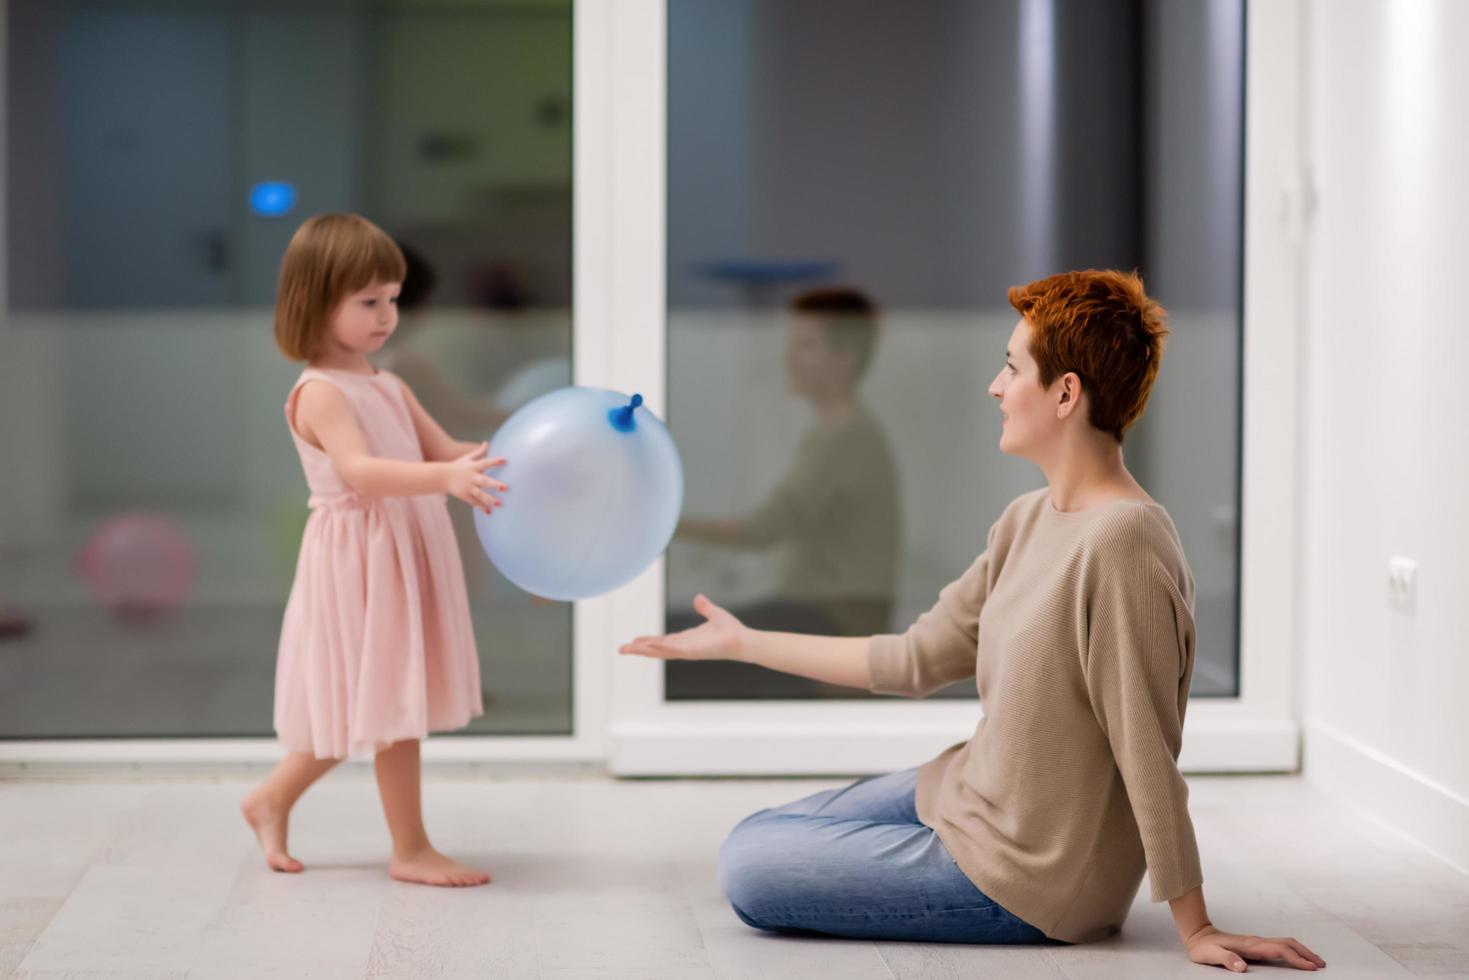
[1077, 625]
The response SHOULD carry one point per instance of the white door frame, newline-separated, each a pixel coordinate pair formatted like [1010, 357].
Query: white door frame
[603, 255]
[1254, 732]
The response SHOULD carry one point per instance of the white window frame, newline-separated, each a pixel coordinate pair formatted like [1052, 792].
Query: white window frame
[620, 340]
[1257, 731]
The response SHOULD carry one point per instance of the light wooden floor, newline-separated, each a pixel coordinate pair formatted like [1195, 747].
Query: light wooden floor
[597, 878]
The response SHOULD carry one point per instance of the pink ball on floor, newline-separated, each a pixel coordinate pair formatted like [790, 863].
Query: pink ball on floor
[138, 563]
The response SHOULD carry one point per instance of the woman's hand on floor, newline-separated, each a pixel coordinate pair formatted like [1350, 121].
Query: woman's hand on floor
[719, 637]
[1214, 948]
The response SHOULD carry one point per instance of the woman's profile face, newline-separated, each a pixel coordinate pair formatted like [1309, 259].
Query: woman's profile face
[1027, 415]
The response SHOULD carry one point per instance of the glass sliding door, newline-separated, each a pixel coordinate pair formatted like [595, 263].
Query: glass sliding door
[848, 196]
[159, 155]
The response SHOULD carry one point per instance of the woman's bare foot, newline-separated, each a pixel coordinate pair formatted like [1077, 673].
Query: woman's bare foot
[429, 867]
[268, 820]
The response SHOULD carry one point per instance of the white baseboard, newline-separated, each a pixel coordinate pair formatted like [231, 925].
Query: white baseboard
[695, 748]
[1419, 808]
[20, 756]
[826, 743]
[1228, 746]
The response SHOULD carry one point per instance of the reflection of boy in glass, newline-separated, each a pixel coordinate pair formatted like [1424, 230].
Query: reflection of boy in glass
[461, 415]
[834, 514]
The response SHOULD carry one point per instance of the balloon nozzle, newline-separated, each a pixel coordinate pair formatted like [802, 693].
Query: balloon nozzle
[622, 419]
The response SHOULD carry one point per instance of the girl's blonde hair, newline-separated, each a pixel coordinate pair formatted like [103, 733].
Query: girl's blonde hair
[329, 258]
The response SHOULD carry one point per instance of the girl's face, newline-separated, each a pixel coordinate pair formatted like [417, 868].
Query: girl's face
[1028, 412]
[367, 318]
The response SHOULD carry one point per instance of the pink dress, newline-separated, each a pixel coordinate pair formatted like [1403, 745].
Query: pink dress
[377, 644]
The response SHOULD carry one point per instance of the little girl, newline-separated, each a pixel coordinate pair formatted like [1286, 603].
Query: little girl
[376, 649]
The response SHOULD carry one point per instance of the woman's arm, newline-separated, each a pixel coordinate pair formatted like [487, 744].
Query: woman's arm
[832, 659]
[1138, 645]
[939, 648]
[1211, 947]
[840, 660]
[324, 419]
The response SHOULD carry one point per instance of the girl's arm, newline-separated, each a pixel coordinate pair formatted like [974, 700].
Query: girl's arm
[325, 420]
[438, 445]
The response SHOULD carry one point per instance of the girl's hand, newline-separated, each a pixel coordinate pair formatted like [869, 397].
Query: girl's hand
[1214, 948]
[720, 637]
[466, 479]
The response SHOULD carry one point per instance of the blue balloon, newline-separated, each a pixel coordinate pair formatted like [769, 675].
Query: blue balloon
[596, 486]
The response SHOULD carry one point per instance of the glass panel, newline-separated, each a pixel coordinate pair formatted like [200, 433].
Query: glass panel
[928, 156]
[159, 156]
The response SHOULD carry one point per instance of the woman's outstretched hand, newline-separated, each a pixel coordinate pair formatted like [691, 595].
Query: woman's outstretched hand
[1214, 948]
[719, 637]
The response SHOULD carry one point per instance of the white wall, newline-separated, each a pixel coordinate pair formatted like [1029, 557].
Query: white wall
[1386, 100]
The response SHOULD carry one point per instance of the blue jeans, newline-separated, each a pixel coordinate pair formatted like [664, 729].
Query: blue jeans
[856, 862]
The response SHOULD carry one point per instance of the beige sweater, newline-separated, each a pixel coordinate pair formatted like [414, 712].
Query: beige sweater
[1078, 628]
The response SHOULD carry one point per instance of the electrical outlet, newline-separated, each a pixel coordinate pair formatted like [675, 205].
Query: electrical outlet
[1402, 583]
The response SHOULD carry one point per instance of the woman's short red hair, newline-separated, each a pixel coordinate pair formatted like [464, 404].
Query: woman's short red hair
[1102, 325]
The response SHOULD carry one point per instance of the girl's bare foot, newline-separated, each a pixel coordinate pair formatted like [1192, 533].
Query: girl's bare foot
[429, 867]
[268, 820]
